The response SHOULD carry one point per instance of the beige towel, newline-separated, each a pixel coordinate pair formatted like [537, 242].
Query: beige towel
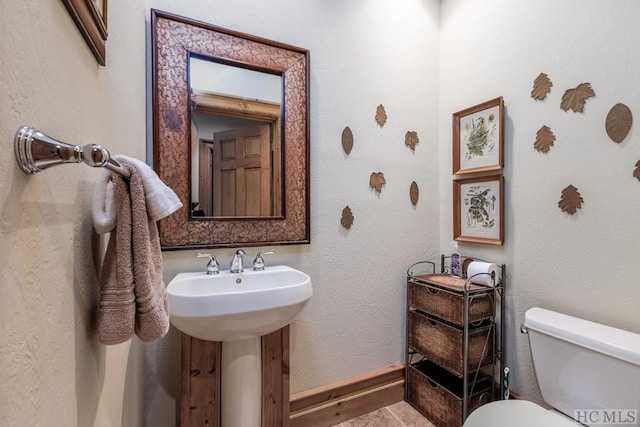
[152, 305]
[116, 310]
[132, 294]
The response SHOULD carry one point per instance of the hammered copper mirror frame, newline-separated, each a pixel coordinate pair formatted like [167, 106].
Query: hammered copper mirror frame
[173, 38]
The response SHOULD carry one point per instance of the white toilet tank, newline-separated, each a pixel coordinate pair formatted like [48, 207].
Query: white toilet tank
[588, 371]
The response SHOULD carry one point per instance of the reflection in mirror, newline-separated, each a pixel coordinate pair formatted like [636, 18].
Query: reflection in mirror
[236, 155]
[196, 123]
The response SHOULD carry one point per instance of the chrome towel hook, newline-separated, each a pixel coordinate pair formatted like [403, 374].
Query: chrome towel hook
[36, 151]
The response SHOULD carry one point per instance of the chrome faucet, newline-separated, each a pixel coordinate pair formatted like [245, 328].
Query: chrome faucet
[236, 263]
[258, 262]
[212, 266]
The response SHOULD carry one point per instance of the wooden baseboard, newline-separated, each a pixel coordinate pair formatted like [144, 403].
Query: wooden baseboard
[341, 401]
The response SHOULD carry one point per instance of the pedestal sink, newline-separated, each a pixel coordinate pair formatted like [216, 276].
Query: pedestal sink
[235, 306]
[237, 309]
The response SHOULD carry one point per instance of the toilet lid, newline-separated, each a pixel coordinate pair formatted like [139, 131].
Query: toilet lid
[521, 413]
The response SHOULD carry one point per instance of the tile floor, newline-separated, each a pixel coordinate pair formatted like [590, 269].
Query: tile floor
[399, 414]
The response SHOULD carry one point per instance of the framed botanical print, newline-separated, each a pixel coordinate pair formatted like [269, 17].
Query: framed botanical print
[90, 17]
[478, 138]
[478, 209]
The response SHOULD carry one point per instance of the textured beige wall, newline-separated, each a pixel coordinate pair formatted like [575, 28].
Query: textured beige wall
[53, 371]
[583, 265]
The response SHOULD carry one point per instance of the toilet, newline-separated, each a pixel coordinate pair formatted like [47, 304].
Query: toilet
[587, 372]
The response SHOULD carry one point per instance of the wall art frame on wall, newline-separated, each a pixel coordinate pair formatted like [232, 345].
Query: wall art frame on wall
[478, 143]
[478, 209]
[90, 17]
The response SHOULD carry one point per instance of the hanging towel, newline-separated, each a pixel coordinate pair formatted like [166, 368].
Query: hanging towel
[161, 201]
[152, 306]
[117, 306]
[103, 206]
[132, 294]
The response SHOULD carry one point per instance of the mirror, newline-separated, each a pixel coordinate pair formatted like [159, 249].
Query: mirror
[236, 156]
[230, 135]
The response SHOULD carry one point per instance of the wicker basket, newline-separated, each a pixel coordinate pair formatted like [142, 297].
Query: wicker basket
[438, 395]
[443, 296]
[443, 343]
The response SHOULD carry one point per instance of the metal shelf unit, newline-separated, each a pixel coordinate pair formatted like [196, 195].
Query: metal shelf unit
[481, 307]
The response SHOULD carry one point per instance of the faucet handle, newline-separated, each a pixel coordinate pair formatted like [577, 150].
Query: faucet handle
[212, 266]
[258, 262]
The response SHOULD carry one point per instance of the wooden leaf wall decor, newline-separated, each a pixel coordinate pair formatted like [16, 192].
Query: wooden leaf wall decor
[541, 87]
[544, 139]
[377, 181]
[574, 99]
[570, 200]
[381, 115]
[347, 217]
[618, 123]
[347, 140]
[636, 171]
[411, 139]
[414, 193]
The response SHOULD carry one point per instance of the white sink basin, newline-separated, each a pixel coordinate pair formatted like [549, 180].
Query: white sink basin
[235, 306]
